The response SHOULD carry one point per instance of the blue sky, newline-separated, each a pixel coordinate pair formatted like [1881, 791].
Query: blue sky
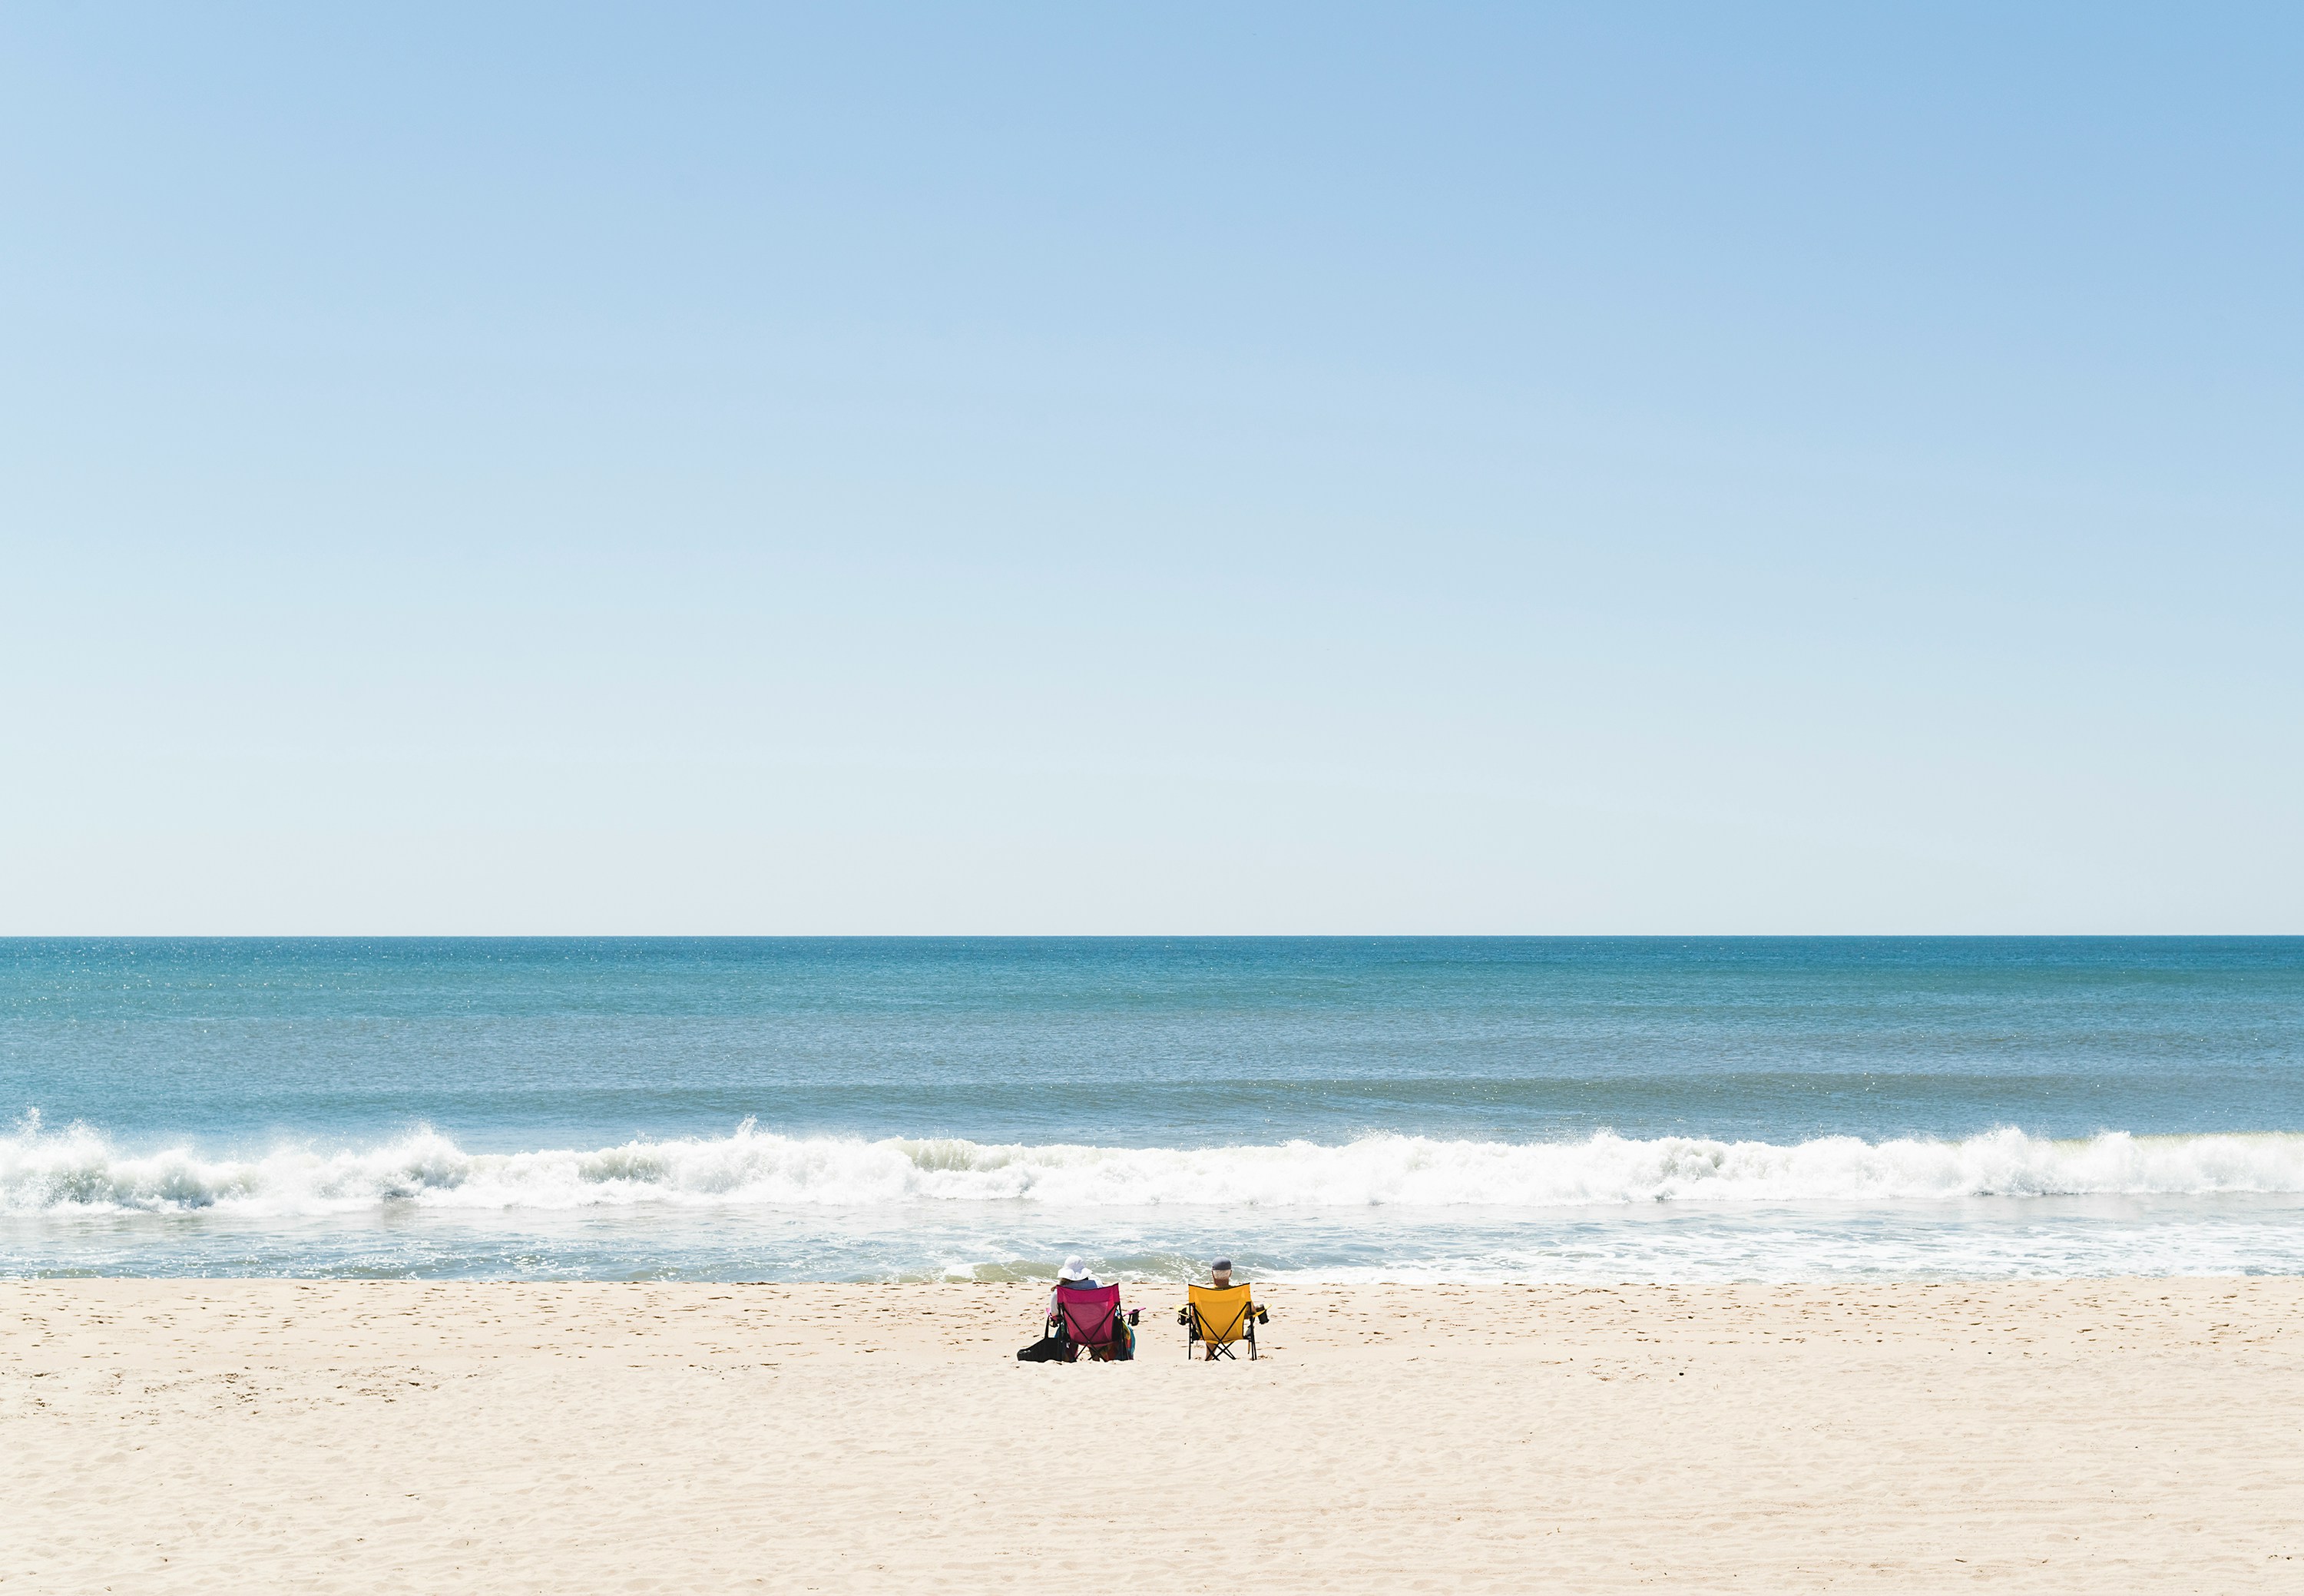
[1055, 469]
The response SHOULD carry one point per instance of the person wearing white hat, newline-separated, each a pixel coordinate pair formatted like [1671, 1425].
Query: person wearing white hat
[1073, 1273]
[1052, 1347]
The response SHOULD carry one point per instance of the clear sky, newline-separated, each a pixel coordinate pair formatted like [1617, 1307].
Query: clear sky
[748, 469]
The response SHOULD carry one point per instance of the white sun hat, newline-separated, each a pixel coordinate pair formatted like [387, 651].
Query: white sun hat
[1075, 1268]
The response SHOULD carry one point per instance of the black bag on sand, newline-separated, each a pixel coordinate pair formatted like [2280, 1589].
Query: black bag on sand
[1047, 1349]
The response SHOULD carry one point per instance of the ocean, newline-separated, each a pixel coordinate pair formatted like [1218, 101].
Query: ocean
[1420, 1109]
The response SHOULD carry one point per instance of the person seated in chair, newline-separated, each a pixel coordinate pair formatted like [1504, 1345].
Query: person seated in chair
[1075, 1276]
[1073, 1273]
[1215, 1338]
[1054, 1346]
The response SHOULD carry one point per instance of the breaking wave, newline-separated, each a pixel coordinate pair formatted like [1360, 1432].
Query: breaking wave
[78, 1169]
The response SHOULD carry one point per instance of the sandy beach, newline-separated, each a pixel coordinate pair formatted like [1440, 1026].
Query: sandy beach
[350, 1435]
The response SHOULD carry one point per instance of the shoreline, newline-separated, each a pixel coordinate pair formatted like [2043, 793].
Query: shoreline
[198, 1434]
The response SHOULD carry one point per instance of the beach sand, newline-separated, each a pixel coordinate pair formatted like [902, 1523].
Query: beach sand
[2092, 1435]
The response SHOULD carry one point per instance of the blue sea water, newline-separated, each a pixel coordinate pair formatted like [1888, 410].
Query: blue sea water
[1414, 1109]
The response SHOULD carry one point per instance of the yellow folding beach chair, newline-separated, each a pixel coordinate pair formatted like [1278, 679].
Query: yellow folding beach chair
[1218, 1321]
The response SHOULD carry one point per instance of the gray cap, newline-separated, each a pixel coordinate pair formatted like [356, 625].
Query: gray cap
[1225, 1264]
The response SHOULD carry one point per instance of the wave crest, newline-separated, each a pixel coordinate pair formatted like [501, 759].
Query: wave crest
[78, 1169]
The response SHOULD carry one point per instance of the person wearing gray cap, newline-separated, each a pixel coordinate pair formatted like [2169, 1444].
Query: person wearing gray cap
[1219, 1314]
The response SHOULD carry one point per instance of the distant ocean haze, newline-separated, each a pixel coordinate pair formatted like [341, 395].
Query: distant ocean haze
[1410, 1108]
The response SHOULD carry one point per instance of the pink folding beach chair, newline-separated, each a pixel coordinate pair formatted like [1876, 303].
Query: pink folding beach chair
[1091, 1320]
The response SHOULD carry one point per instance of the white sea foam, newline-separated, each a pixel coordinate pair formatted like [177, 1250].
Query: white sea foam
[78, 1169]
